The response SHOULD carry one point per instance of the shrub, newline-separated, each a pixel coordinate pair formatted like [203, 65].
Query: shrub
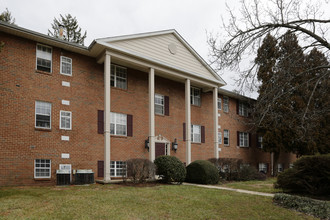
[317, 208]
[232, 169]
[310, 174]
[247, 173]
[170, 168]
[202, 171]
[228, 167]
[139, 170]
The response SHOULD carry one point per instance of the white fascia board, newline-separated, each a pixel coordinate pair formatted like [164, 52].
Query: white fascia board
[135, 36]
[128, 52]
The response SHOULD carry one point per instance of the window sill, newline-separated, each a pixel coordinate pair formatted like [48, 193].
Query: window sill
[243, 146]
[197, 106]
[42, 179]
[227, 145]
[63, 74]
[44, 72]
[161, 115]
[197, 143]
[119, 89]
[118, 136]
[43, 129]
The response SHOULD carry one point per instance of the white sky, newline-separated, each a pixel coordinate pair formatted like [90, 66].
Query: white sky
[106, 18]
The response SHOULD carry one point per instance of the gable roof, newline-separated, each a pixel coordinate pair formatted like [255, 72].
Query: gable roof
[155, 46]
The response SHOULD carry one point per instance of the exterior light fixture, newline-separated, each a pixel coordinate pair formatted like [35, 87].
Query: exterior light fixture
[146, 144]
[174, 145]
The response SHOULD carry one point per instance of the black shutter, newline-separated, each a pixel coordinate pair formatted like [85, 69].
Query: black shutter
[203, 134]
[100, 121]
[130, 125]
[100, 168]
[250, 140]
[167, 105]
[237, 106]
[237, 138]
[184, 131]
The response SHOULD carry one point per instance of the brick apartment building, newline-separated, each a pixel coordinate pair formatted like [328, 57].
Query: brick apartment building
[66, 106]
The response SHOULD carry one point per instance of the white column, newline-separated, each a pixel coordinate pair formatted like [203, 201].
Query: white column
[188, 123]
[215, 120]
[152, 114]
[107, 90]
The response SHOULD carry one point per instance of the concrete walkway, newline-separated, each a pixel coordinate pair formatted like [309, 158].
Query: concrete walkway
[230, 189]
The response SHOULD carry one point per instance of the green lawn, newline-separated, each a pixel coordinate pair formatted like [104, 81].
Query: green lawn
[123, 202]
[266, 186]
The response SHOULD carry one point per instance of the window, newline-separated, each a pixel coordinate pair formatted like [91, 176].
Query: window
[118, 77]
[260, 142]
[242, 165]
[243, 139]
[291, 165]
[159, 104]
[220, 137]
[44, 58]
[226, 137]
[219, 104]
[242, 109]
[66, 66]
[279, 167]
[65, 120]
[118, 124]
[225, 104]
[195, 96]
[43, 114]
[196, 133]
[42, 168]
[263, 167]
[117, 168]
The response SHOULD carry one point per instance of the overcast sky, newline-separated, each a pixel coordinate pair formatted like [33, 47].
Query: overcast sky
[106, 18]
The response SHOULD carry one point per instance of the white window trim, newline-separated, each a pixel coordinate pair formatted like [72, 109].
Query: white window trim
[219, 101]
[262, 166]
[113, 115]
[219, 137]
[51, 61]
[192, 100]
[50, 170]
[193, 136]
[114, 74]
[242, 109]
[35, 116]
[226, 104]
[163, 106]
[280, 165]
[224, 137]
[241, 135]
[69, 63]
[61, 127]
[116, 169]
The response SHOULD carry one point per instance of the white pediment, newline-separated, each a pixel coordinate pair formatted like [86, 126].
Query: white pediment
[166, 47]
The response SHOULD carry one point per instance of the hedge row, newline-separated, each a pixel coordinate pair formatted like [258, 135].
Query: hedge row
[317, 208]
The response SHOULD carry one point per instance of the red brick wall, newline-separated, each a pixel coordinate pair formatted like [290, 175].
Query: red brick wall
[21, 143]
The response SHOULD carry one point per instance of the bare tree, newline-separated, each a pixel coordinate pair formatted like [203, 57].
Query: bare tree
[256, 19]
[245, 32]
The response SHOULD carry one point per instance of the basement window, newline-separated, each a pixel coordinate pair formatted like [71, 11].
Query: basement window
[117, 168]
[42, 168]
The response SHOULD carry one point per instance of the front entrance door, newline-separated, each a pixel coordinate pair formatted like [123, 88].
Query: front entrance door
[159, 149]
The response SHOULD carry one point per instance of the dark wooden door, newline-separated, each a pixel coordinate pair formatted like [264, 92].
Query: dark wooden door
[159, 149]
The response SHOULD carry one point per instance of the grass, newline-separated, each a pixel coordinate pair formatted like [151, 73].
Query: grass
[123, 202]
[266, 186]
